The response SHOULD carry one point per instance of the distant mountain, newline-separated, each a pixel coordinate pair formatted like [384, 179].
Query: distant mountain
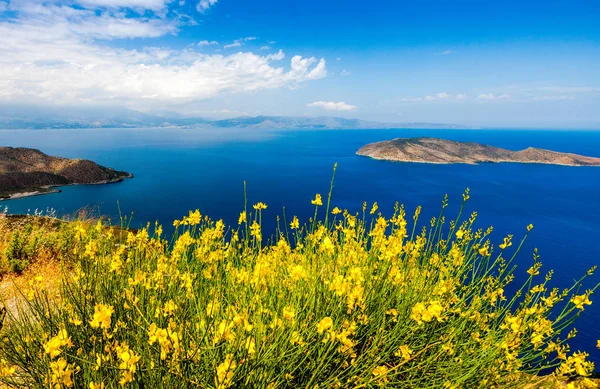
[324, 122]
[16, 116]
[19, 117]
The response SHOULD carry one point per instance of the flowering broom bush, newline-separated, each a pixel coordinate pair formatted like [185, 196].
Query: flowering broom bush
[346, 300]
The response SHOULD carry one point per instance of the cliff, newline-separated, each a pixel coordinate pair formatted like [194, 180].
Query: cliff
[441, 151]
[29, 171]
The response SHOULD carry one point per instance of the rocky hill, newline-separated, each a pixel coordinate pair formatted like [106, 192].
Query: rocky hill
[29, 171]
[442, 151]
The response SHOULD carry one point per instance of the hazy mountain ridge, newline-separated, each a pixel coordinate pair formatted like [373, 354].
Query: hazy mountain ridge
[442, 151]
[21, 118]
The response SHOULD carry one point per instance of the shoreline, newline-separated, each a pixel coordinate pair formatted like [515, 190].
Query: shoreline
[473, 163]
[52, 188]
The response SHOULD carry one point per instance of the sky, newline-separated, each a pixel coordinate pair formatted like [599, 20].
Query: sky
[483, 63]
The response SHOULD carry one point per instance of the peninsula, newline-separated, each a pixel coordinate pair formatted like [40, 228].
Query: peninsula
[29, 172]
[442, 151]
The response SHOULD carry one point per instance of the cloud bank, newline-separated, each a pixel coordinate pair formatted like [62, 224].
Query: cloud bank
[62, 54]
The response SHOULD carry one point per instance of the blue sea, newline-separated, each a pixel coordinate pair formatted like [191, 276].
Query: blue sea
[181, 169]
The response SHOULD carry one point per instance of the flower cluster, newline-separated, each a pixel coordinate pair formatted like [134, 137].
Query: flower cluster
[348, 301]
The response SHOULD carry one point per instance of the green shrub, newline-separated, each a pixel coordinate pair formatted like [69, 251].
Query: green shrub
[354, 300]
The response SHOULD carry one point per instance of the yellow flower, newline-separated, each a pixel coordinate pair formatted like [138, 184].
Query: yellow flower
[295, 224]
[336, 211]
[61, 374]
[506, 243]
[374, 208]
[102, 314]
[484, 251]
[317, 201]
[225, 372]
[242, 218]
[160, 335]
[533, 271]
[327, 245]
[426, 313]
[255, 231]
[128, 363]
[169, 308]
[6, 370]
[94, 385]
[598, 345]
[250, 346]
[260, 206]
[224, 332]
[460, 233]
[289, 313]
[91, 248]
[581, 300]
[297, 339]
[380, 371]
[405, 352]
[193, 218]
[325, 324]
[298, 272]
[54, 345]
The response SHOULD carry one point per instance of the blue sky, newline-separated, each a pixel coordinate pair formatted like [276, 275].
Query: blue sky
[485, 63]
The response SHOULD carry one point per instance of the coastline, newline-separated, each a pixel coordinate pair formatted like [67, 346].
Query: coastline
[52, 189]
[473, 163]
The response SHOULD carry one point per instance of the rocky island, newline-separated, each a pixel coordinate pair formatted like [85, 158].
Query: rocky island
[28, 172]
[442, 151]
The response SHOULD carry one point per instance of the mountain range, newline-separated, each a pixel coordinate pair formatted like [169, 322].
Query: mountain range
[19, 117]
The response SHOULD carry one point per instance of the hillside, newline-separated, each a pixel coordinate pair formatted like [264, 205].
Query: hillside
[24, 170]
[442, 151]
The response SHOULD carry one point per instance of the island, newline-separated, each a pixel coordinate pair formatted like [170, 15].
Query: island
[442, 151]
[30, 172]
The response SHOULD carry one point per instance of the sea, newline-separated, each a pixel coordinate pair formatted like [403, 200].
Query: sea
[177, 170]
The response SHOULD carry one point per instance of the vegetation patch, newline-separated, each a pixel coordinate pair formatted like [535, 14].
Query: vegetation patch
[345, 300]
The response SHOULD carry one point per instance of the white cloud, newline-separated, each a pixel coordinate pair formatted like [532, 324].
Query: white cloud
[204, 5]
[239, 42]
[436, 97]
[265, 48]
[302, 65]
[492, 97]
[52, 55]
[332, 106]
[3, 6]
[207, 43]
[271, 42]
[140, 4]
[345, 73]
[43, 22]
[445, 52]
[277, 56]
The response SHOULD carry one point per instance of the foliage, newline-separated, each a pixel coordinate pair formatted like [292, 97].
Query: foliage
[347, 300]
[27, 239]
